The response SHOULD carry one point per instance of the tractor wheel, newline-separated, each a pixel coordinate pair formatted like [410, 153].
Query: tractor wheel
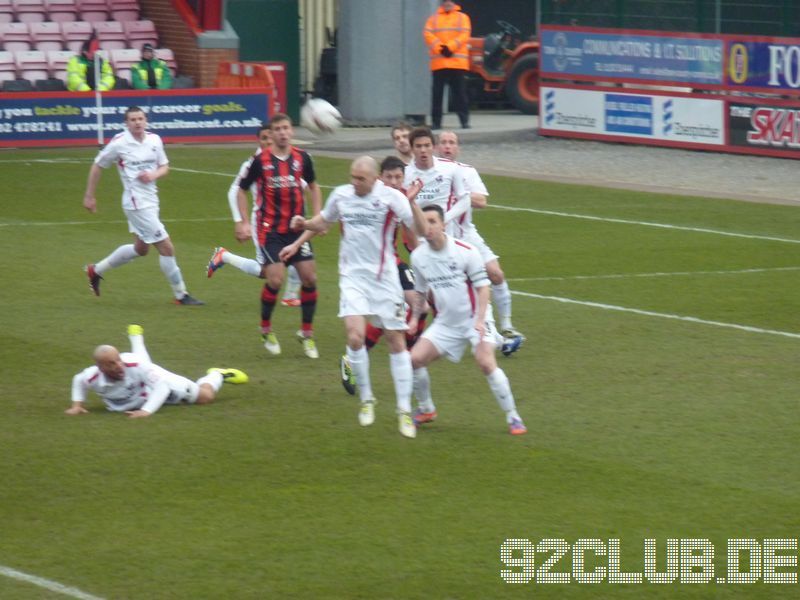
[522, 84]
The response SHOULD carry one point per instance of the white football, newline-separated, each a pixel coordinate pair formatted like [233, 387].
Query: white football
[320, 116]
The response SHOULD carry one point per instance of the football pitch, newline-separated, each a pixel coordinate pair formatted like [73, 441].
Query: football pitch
[659, 384]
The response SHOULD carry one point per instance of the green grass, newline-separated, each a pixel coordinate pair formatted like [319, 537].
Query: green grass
[640, 426]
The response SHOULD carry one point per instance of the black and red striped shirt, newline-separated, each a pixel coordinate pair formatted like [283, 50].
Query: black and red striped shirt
[280, 187]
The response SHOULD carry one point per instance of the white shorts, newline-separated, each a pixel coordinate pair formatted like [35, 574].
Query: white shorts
[451, 342]
[382, 300]
[474, 238]
[181, 389]
[145, 224]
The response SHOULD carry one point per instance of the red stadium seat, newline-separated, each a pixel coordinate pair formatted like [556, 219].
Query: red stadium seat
[93, 10]
[32, 65]
[75, 33]
[15, 36]
[30, 11]
[111, 35]
[57, 63]
[124, 10]
[62, 10]
[6, 11]
[123, 60]
[140, 33]
[46, 36]
[8, 68]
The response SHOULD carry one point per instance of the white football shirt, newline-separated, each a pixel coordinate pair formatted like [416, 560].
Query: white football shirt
[443, 185]
[450, 275]
[132, 157]
[366, 249]
[463, 225]
[134, 390]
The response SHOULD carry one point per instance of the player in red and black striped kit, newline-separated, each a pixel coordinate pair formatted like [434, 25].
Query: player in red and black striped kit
[283, 176]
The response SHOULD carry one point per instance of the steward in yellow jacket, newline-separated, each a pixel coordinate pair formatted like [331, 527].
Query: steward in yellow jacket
[150, 72]
[447, 34]
[80, 72]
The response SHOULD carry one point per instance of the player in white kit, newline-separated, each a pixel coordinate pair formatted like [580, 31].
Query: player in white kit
[369, 285]
[463, 228]
[443, 182]
[451, 274]
[140, 159]
[129, 382]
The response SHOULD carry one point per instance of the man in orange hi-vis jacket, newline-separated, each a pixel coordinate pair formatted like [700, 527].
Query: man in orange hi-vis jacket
[447, 34]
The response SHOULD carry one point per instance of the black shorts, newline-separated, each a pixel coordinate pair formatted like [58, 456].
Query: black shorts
[275, 242]
[406, 276]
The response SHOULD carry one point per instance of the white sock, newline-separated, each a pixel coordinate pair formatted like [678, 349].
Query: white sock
[169, 266]
[214, 379]
[359, 362]
[292, 291]
[122, 255]
[501, 296]
[498, 383]
[422, 390]
[248, 265]
[402, 375]
[138, 348]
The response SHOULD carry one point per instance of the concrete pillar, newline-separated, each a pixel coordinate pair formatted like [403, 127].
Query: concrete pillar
[383, 72]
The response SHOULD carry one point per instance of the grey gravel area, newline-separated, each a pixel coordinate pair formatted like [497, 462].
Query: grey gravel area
[508, 144]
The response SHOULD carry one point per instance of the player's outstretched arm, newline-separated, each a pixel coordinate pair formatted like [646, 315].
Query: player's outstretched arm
[242, 230]
[77, 408]
[89, 201]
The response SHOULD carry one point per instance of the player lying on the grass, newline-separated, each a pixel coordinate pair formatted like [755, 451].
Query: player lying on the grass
[282, 175]
[452, 272]
[129, 382]
[392, 169]
[463, 228]
[369, 284]
[140, 159]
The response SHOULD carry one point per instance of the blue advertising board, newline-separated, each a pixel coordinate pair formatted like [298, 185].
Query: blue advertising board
[50, 119]
[572, 52]
[771, 64]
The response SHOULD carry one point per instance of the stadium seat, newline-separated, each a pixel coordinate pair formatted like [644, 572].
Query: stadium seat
[111, 35]
[168, 56]
[124, 10]
[18, 85]
[50, 85]
[75, 33]
[93, 10]
[30, 11]
[140, 33]
[57, 62]
[122, 61]
[32, 65]
[15, 36]
[6, 11]
[8, 68]
[46, 36]
[62, 10]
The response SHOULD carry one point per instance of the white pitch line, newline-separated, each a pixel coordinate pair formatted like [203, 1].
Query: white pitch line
[648, 224]
[656, 274]
[648, 313]
[113, 222]
[53, 586]
[522, 209]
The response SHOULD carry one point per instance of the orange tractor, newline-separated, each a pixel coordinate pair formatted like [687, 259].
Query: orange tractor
[503, 63]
